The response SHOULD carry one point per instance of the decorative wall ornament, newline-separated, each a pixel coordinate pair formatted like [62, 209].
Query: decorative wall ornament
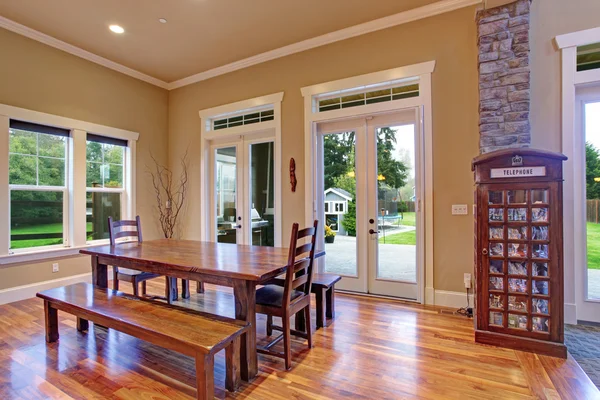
[293, 180]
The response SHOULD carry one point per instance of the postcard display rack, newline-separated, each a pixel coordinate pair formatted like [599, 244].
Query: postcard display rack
[518, 250]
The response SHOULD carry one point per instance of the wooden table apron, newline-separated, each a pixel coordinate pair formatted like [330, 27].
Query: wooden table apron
[244, 290]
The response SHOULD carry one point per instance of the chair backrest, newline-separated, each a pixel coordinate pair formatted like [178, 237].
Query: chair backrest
[116, 231]
[300, 261]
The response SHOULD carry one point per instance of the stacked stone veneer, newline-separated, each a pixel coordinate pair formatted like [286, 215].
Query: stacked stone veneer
[504, 76]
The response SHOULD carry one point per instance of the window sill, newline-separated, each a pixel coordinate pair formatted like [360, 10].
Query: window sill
[40, 255]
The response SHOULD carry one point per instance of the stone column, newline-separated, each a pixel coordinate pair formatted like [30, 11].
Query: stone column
[504, 76]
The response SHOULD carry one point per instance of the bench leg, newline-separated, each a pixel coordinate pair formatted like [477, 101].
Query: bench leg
[205, 376]
[232, 365]
[185, 289]
[51, 316]
[320, 300]
[330, 302]
[82, 324]
[199, 287]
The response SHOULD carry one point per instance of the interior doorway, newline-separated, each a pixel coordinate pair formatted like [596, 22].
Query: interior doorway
[370, 200]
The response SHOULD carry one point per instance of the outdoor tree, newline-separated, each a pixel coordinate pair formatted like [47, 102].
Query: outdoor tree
[592, 167]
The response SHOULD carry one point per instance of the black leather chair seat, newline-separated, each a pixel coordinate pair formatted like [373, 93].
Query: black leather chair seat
[272, 295]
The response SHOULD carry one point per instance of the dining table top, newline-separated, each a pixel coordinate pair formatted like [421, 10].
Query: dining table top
[253, 263]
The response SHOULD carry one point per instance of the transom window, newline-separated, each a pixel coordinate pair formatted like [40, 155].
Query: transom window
[364, 96]
[37, 185]
[588, 57]
[243, 119]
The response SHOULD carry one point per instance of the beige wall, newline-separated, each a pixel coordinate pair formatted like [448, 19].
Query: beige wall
[550, 18]
[450, 39]
[37, 77]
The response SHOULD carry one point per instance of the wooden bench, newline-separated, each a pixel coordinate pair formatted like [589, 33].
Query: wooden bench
[323, 286]
[189, 332]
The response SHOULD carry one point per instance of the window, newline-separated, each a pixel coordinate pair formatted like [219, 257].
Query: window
[244, 119]
[37, 185]
[339, 207]
[588, 57]
[105, 166]
[385, 93]
[326, 206]
[331, 220]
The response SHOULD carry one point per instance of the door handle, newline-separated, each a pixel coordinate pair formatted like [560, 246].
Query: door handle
[372, 232]
[237, 226]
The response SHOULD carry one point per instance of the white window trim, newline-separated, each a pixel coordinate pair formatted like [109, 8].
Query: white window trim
[76, 181]
[422, 71]
[574, 171]
[208, 135]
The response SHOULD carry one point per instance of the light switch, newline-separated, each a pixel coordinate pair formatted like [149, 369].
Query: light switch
[459, 209]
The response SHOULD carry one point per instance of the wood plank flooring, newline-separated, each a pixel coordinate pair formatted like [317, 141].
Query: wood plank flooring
[375, 349]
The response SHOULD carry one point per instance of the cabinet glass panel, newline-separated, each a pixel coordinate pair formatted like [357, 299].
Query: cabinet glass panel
[517, 321]
[539, 233]
[496, 301]
[496, 283]
[540, 269]
[496, 233]
[497, 249]
[539, 214]
[496, 214]
[517, 285]
[539, 306]
[539, 196]
[517, 196]
[517, 214]
[541, 324]
[517, 250]
[540, 251]
[517, 233]
[540, 287]
[517, 268]
[517, 303]
[496, 318]
[496, 267]
[495, 197]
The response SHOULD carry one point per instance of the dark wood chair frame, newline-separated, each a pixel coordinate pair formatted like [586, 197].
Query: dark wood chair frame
[115, 231]
[298, 276]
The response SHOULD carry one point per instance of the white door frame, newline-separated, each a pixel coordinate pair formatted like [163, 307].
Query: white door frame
[574, 172]
[234, 134]
[421, 72]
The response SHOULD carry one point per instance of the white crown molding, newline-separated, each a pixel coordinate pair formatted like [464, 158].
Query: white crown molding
[76, 51]
[404, 17]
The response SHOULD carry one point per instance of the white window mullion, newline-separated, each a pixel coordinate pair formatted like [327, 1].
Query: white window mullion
[76, 188]
[4, 193]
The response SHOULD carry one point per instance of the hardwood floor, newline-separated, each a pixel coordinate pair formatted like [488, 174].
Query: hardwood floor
[374, 349]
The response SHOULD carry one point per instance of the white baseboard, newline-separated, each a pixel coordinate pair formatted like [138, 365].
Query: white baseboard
[571, 313]
[28, 291]
[453, 299]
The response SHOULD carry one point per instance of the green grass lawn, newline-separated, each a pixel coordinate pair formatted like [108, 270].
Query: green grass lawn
[593, 245]
[46, 228]
[409, 237]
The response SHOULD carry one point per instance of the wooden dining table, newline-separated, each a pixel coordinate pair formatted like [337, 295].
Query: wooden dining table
[237, 266]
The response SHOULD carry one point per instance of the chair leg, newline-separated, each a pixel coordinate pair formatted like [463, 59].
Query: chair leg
[115, 279]
[232, 365]
[320, 300]
[287, 345]
[269, 325]
[185, 289]
[330, 302]
[199, 287]
[82, 324]
[136, 288]
[168, 289]
[143, 288]
[308, 326]
[205, 376]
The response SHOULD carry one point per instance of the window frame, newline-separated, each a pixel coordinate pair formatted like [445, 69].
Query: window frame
[74, 215]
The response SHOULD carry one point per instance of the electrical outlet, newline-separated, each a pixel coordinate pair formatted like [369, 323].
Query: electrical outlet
[55, 267]
[467, 281]
[459, 209]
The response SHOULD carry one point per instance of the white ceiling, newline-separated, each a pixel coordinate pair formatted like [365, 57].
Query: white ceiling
[200, 34]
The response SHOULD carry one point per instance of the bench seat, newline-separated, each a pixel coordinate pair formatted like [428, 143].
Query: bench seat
[193, 333]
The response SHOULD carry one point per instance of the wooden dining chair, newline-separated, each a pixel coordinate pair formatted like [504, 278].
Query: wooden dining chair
[291, 298]
[116, 231]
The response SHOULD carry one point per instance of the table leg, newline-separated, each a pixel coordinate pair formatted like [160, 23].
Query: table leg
[245, 310]
[300, 323]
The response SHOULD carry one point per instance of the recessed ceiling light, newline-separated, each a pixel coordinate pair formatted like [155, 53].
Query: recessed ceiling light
[116, 29]
[162, 20]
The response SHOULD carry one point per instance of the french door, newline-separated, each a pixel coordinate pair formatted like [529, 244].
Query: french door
[242, 209]
[370, 202]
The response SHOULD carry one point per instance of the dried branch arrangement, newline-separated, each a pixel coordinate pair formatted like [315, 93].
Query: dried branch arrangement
[170, 194]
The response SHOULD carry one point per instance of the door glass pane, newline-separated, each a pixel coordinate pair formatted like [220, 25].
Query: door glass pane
[592, 158]
[262, 200]
[340, 187]
[396, 194]
[225, 192]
